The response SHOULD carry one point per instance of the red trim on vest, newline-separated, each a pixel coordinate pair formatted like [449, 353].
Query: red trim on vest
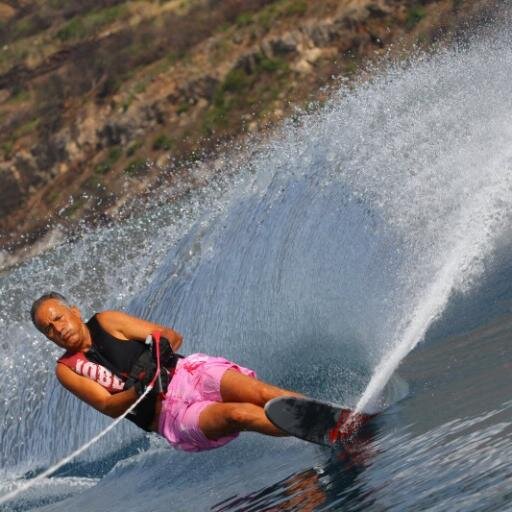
[156, 340]
[79, 363]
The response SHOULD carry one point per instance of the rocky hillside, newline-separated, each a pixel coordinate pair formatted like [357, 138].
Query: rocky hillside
[104, 99]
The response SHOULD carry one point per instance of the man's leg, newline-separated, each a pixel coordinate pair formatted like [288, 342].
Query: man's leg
[222, 419]
[237, 387]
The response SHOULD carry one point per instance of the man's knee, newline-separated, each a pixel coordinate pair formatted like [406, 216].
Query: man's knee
[267, 392]
[261, 393]
[242, 415]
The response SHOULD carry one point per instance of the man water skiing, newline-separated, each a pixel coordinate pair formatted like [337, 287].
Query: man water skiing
[204, 403]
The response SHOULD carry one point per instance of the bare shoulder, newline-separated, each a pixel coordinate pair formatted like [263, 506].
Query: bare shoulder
[65, 375]
[124, 326]
[61, 371]
[113, 322]
[127, 327]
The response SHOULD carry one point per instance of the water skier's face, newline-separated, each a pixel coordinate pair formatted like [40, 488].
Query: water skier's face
[61, 324]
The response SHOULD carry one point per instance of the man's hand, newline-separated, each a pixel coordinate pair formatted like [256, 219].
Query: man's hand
[144, 370]
[167, 355]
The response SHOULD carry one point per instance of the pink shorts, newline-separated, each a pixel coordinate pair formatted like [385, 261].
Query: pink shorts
[194, 386]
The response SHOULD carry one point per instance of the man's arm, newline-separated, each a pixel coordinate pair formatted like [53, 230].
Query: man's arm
[124, 326]
[93, 394]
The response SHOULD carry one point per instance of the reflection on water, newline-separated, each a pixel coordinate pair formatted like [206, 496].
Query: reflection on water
[312, 488]
[301, 491]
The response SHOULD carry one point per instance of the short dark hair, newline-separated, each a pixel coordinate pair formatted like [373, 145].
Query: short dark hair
[46, 296]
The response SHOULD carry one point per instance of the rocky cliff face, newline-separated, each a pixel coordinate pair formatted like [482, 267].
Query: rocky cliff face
[103, 100]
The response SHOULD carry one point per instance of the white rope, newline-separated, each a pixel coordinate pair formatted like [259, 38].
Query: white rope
[55, 467]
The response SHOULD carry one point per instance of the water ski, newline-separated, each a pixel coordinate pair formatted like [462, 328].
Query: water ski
[313, 420]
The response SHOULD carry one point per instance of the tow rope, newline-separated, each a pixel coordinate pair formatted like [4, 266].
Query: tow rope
[154, 336]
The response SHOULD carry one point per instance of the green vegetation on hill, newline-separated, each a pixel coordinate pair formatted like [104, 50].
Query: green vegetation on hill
[68, 56]
[90, 24]
[243, 89]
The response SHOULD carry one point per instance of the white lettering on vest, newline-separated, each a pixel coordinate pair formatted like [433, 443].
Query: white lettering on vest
[90, 370]
[104, 377]
[100, 374]
[117, 383]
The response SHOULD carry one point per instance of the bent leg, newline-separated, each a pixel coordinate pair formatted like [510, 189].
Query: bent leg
[237, 387]
[223, 419]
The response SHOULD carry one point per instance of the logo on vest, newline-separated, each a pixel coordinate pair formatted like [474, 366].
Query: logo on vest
[99, 374]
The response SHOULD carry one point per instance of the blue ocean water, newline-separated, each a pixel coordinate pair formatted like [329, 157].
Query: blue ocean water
[361, 255]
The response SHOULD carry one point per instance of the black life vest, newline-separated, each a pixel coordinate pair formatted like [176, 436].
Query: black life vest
[118, 356]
